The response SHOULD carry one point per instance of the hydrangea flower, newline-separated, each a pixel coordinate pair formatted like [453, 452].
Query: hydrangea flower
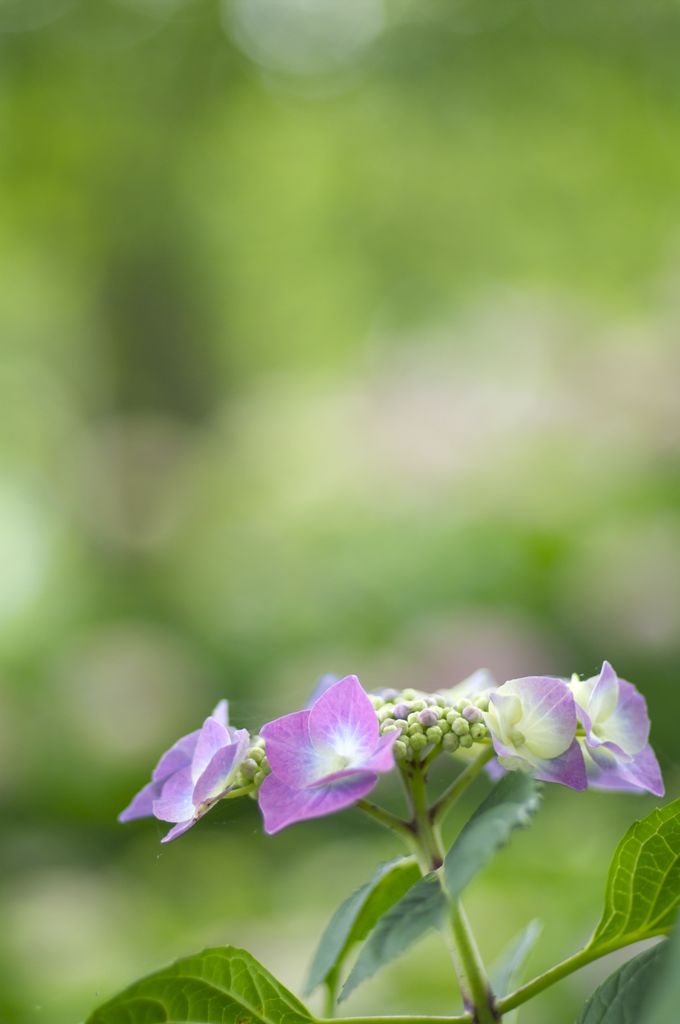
[616, 724]
[323, 758]
[196, 772]
[532, 722]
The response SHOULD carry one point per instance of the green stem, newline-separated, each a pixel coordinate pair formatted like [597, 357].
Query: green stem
[467, 962]
[464, 1019]
[559, 971]
[459, 785]
[386, 818]
[331, 996]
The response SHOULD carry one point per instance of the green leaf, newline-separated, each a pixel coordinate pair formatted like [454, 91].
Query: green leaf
[622, 998]
[665, 997]
[423, 907]
[505, 974]
[357, 916]
[218, 986]
[643, 887]
[509, 805]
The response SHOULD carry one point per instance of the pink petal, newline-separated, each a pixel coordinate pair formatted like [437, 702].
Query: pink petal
[282, 806]
[177, 757]
[221, 713]
[216, 778]
[568, 769]
[177, 830]
[382, 758]
[141, 805]
[290, 753]
[344, 720]
[640, 774]
[213, 737]
[176, 800]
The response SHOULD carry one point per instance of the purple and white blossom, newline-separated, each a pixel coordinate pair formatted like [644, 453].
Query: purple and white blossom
[616, 747]
[196, 772]
[532, 723]
[324, 758]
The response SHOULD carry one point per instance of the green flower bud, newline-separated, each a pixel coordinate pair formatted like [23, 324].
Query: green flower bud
[452, 716]
[415, 729]
[401, 750]
[413, 718]
[472, 714]
[257, 754]
[249, 768]
[434, 734]
[376, 701]
[259, 777]
[418, 705]
[385, 712]
[402, 723]
[482, 703]
[479, 731]
[409, 694]
[418, 741]
[257, 741]
[450, 743]
[460, 727]
[444, 726]
[465, 741]
[386, 724]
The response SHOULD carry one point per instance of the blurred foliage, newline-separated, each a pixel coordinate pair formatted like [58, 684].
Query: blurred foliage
[336, 335]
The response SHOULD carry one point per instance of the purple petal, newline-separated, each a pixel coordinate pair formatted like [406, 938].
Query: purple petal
[282, 806]
[213, 737]
[216, 779]
[221, 713]
[628, 726]
[177, 757]
[344, 720]
[640, 774]
[176, 800]
[290, 752]
[568, 769]
[141, 805]
[177, 830]
[548, 713]
[382, 758]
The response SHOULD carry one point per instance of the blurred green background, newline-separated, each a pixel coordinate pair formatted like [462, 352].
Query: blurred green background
[335, 335]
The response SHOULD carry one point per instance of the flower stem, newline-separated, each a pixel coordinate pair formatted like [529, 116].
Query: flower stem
[459, 785]
[386, 818]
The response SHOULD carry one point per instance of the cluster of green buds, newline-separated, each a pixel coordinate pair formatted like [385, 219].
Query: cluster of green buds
[431, 722]
[254, 767]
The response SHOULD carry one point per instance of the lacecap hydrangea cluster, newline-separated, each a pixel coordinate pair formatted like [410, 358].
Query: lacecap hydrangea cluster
[316, 761]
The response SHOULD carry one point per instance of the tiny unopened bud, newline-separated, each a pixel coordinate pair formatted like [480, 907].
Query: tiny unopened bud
[376, 701]
[257, 741]
[478, 731]
[460, 727]
[428, 717]
[257, 754]
[389, 726]
[409, 694]
[249, 768]
[434, 734]
[472, 714]
[482, 702]
[415, 729]
[259, 777]
[418, 741]
[418, 705]
[466, 741]
[450, 743]
[402, 723]
[444, 726]
[385, 712]
[401, 750]
[402, 710]
[452, 715]
[413, 718]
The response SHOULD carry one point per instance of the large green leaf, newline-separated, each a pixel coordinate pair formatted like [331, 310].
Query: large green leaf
[643, 887]
[423, 907]
[509, 805]
[357, 916]
[622, 998]
[218, 986]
